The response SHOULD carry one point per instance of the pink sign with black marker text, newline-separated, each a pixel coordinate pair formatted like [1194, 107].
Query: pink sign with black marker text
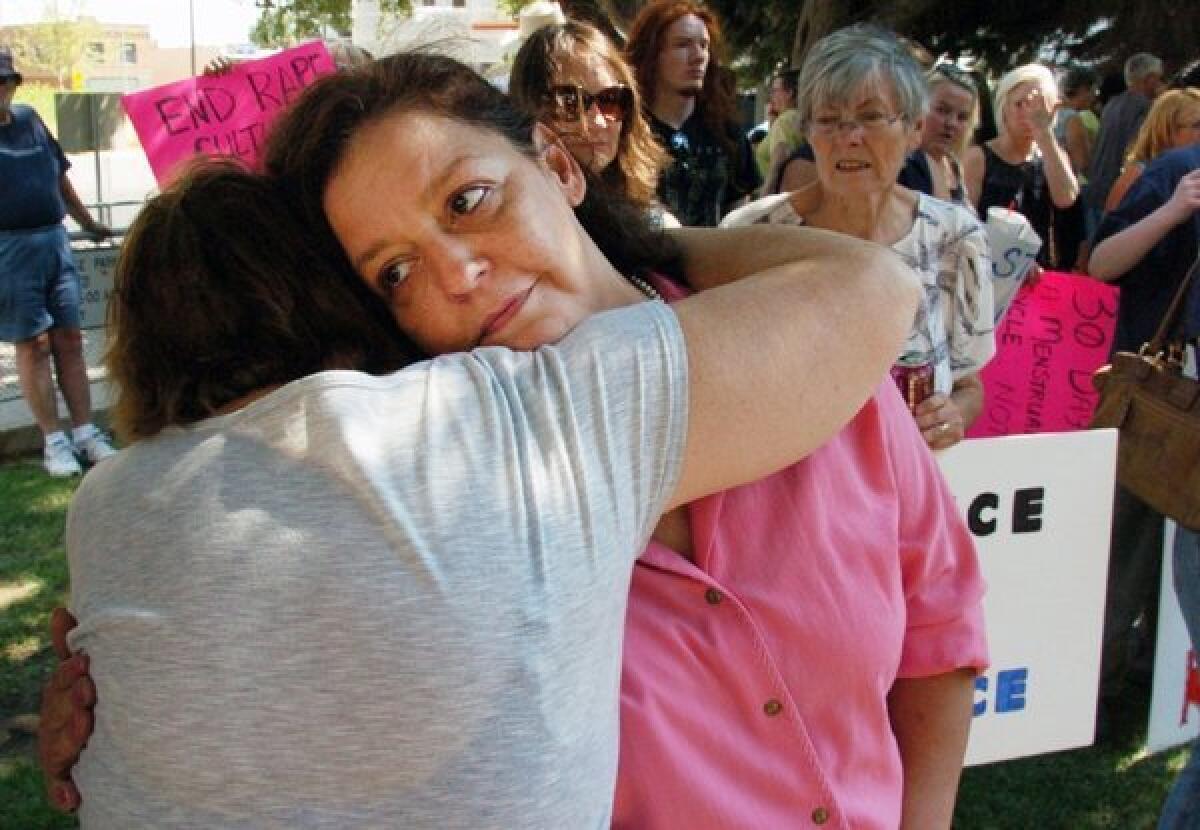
[1053, 337]
[222, 115]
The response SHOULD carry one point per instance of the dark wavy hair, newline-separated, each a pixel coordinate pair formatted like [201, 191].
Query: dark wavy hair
[218, 294]
[717, 103]
[308, 142]
[639, 156]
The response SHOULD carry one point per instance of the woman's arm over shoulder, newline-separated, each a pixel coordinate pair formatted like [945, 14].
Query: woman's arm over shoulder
[931, 717]
[789, 355]
[713, 256]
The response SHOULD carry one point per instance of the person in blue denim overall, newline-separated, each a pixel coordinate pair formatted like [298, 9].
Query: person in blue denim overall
[39, 287]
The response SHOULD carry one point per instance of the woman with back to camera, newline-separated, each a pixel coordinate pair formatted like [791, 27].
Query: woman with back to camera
[573, 79]
[912, 579]
[862, 99]
[466, 528]
[1024, 167]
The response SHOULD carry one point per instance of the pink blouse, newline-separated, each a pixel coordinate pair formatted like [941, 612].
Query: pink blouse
[754, 692]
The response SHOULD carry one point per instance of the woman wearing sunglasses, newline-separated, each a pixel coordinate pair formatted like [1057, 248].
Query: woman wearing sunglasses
[574, 80]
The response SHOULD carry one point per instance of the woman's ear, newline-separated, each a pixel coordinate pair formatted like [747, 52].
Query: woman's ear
[560, 163]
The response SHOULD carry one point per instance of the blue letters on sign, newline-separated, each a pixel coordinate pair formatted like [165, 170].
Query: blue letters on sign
[1009, 695]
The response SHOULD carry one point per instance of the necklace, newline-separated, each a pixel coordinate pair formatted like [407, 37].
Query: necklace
[643, 286]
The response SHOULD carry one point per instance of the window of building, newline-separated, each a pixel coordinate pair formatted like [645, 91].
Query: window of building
[460, 4]
[94, 50]
[129, 53]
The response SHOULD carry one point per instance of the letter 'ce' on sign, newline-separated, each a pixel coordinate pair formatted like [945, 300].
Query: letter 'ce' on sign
[1053, 337]
[222, 115]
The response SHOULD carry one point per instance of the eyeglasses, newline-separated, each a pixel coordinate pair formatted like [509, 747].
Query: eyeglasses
[568, 101]
[868, 122]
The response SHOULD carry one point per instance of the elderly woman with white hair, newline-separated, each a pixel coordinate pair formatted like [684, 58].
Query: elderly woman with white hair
[1024, 168]
[862, 99]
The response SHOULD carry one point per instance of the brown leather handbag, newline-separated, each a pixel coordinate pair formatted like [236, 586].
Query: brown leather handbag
[1157, 410]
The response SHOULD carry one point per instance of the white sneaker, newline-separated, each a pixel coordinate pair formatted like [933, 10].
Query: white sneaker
[95, 448]
[59, 459]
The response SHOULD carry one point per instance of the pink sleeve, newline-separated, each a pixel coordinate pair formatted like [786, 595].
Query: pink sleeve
[943, 587]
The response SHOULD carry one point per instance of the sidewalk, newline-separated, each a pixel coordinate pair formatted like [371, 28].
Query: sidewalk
[18, 435]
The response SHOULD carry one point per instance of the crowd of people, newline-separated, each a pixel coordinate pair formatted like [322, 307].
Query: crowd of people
[476, 478]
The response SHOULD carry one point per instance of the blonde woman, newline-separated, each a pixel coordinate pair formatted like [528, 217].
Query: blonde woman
[1173, 121]
[1024, 167]
[949, 122]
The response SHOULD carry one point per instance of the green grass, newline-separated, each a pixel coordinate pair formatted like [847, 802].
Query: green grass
[1110, 786]
[33, 579]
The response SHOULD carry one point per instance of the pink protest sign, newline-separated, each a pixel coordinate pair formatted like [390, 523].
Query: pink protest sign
[221, 114]
[1054, 336]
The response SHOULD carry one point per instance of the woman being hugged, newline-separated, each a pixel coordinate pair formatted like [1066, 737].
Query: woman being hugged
[1024, 167]
[464, 529]
[863, 98]
[573, 79]
[855, 560]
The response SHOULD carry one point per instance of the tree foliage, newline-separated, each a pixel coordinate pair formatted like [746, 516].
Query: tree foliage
[52, 49]
[285, 22]
[766, 34]
[1002, 34]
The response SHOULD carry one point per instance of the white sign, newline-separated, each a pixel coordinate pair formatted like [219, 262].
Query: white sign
[1040, 507]
[96, 268]
[1174, 701]
[1174, 719]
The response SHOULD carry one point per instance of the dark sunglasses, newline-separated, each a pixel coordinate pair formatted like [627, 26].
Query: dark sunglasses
[567, 101]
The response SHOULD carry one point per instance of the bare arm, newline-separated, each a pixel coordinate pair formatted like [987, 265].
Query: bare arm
[1113, 257]
[1064, 187]
[973, 164]
[779, 362]
[1129, 175]
[717, 256]
[931, 717]
[779, 156]
[78, 212]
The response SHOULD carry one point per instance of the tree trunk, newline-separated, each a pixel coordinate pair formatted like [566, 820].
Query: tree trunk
[817, 19]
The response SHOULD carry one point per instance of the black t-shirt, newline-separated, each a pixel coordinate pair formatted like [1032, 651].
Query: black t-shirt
[701, 182]
[1147, 289]
[1022, 187]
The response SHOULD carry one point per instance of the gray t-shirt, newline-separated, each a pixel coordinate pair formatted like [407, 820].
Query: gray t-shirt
[1119, 125]
[379, 602]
